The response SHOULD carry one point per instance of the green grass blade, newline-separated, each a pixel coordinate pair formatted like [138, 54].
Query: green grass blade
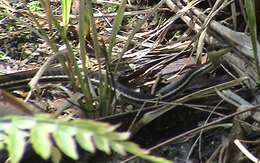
[84, 30]
[74, 68]
[116, 27]
[65, 8]
[104, 96]
[251, 21]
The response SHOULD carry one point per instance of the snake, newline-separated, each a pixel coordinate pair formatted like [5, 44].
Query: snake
[20, 79]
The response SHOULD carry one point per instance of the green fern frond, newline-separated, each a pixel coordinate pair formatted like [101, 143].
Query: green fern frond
[90, 135]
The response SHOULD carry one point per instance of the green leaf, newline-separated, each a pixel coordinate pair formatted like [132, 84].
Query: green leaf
[215, 55]
[134, 148]
[116, 27]
[102, 143]
[119, 148]
[55, 155]
[64, 133]
[85, 141]
[97, 127]
[40, 139]
[2, 143]
[155, 159]
[65, 8]
[34, 6]
[118, 136]
[63, 137]
[15, 142]
[23, 123]
[251, 22]
[5, 125]
[2, 136]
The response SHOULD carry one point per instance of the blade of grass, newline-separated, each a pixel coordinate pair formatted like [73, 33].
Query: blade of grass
[53, 45]
[65, 8]
[93, 32]
[116, 27]
[105, 95]
[75, 70]
[84, 30]
[251, 21]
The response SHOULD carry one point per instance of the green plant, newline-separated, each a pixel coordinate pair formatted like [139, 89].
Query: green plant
[251, 22]
[112, 8]
[2, 55]
[65, 7]
[130, 21]
[90, 135]
[34, 6]
[15, 130]
[10, 28]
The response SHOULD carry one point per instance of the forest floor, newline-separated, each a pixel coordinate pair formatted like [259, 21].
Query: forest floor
[182, 78]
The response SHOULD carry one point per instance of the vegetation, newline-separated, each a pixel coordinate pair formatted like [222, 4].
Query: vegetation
[90, 135]
[85, 58]
[34, 6]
